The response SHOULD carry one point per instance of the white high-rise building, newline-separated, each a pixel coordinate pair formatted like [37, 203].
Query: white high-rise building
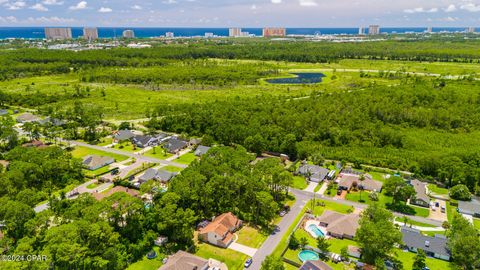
[429, 29]
[361, 31]
[374, 30]
[58, 33]
[470, 30]
[90, 33]
[235, 32]
[169, 35]
[128, 34]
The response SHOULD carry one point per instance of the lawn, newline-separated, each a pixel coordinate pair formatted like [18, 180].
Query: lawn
[147, 264]
[299, 182]
[415, 223]
[97, 172]
[251, 237]
[318, 210]
[93, 185]
[81, 152]
[437, 190]
[476, 223]
[171, 168]
[157, 153]
[407, 259]
[421, 211]
[186, 158]
[105, 141]
[233, 259]
[127, 147]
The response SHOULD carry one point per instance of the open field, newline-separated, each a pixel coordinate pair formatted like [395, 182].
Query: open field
[81, 152]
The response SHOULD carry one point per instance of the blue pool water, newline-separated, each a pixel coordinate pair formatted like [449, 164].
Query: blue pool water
[316, 230]
[302, 78]
[308, 255]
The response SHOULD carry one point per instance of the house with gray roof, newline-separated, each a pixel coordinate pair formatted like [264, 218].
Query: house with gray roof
[315, 265]
[184, 261]
[313, 173]
[421, 198]
[123, 135]
[201, 150]
[27, 118]
[158, 175]
[143, 141]
[347, 181]
[471, 208]
[175, 145]
[93, 162]
[435, 247]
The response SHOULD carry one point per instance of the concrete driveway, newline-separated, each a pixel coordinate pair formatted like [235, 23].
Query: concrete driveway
[311, 186]
[243, 249]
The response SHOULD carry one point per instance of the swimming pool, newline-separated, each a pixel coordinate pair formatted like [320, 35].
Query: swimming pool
[314, 228]
[308, 255]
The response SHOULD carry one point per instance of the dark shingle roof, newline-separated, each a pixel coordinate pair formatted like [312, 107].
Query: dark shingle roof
[123, 135]
[175, 144]
[412, 238]
[420, 189]
[316, 172]
[201, 150]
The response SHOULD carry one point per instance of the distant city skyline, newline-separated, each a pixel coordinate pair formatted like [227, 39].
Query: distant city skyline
[240, 13]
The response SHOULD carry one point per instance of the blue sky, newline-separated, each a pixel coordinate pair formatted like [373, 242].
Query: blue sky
[243, 13]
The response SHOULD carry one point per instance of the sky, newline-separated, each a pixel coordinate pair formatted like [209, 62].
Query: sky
[240, 13]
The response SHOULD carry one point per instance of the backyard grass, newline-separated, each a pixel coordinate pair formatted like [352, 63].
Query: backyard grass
[81, 152]
[407, 259]
[299, 182]
[437, 190]
[126, 146]
[147, 264]
[171, 168]
[157, 153]
[186, 158]
[233, 259]
[251, 237]
[318, 210]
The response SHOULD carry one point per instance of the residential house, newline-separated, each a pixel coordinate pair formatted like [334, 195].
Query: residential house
[220, 231]
[313, 172]
[201, 150]
[471, 208]
[339, 225]
[175, 145]
[315, 265]
[420, 198]
[433, 246]
[159, 175]
[27, 118]
[184, 261]
[123, 135]
[3, 112]
[143, 141]
[347, 181]
[93, 162]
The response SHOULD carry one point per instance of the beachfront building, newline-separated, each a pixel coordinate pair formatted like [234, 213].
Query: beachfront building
[235, 32]
[274, 32]
[58, 33]
[374, 30]
[128, 34]
[90, 33]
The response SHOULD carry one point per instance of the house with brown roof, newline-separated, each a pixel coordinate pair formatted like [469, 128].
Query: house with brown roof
[339, 225]
[220, 231]
[347, 181]
[421, 197]
[184, 261]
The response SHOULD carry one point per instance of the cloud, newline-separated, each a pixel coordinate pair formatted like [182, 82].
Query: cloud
[50, 20]
[420, 10]
[16, 5]
[105, 10]
[137, 7]
[450, 8]
[52, 2]
[276, 1]
[170, 2]
[81, 5]
[39, 7]
[307, 3]
[470, 7]
[8, 19]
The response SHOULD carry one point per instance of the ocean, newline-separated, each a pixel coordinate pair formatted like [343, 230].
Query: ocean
[110, 32]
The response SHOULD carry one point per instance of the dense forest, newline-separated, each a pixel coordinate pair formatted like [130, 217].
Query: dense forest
[381, 126]
[28, 62]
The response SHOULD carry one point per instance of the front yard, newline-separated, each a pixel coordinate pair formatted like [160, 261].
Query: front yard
[233, 259]
[172, 168]
[81, 152]
[299, 182]
[157, 152]
[126, 146]
[251, 237]
[186, 158]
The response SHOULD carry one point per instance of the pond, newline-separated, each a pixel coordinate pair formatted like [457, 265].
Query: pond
[301, 78]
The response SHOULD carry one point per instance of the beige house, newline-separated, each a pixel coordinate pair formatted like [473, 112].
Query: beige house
[220, 231]
[184, 261]
[339, 225]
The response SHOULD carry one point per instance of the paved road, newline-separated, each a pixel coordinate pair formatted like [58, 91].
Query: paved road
[133, 155]
[272, 241]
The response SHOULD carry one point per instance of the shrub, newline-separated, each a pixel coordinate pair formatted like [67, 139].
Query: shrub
[460, 192]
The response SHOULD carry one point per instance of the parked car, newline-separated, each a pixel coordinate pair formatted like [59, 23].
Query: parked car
[282, 213]
[339, 192]
[434, 208]
[443, 209]
[248, 263]
[437, 204]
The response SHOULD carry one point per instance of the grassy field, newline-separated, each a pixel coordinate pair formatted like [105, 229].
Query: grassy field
[147, 264]
[105, 141]
[186, 158]
[126, 146]
[81, 152]
[437, 190]
[157, 153]
[251, 237]
[341, 208]
[299, 182]
[233, 259]
[172, 168]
